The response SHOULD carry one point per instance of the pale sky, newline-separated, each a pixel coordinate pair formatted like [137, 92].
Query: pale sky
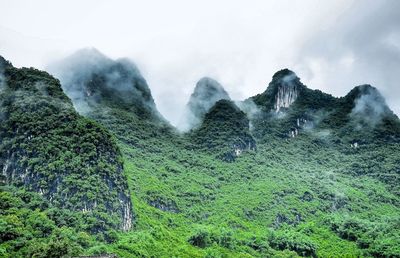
[331, 45]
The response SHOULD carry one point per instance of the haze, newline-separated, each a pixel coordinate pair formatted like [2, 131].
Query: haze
[331, 45]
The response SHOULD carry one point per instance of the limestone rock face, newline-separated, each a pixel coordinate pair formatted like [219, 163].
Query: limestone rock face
[287, 94]
[287, 90]
[284, 89]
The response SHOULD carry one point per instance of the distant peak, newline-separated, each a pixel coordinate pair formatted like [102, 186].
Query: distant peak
[206, 93]
[208, 85]
[91, 79]
[4, 63]
[84, 58]
[284, 73]
[364, 89]
[287, 89]
[208, 90]
[207, 79]
[89, 51]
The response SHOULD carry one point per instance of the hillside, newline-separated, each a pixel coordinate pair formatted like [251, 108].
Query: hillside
[225, 130]
[290, 172]
[70, 161]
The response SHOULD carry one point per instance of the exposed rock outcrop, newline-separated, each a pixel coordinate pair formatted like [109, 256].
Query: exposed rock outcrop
[281, 93]
[286, 95]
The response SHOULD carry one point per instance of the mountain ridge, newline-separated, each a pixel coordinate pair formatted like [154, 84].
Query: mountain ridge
[292, 172]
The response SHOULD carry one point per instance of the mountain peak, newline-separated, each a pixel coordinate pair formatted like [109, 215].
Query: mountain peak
[90, 78]
[206, 93]
[284, 73]
[83, 58]
[365, 89]
[4, 63]
[225, 129]
[286, 87]
[369, 106]
[89, 52]
[207, 87]
[281, 92]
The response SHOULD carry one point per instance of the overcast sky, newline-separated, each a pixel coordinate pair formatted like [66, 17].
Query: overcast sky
[331, 45]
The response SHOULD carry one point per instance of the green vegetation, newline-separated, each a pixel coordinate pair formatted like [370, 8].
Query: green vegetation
[224, 129]
[48, 148]
[312, 195]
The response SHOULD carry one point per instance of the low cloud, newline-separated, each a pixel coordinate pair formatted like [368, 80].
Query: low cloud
[249, 107]
[206, 93]
[240, 44]
[86, 71]
[369, 109]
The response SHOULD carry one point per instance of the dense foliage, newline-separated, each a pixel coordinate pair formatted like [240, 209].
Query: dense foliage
[47, 147]
[225, 128]
[318, 194]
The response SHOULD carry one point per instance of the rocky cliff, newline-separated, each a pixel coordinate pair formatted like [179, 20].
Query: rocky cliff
[47, 147]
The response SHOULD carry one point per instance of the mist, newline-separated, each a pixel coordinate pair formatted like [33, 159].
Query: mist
[88, 77]
[369, 109]
[206, 93]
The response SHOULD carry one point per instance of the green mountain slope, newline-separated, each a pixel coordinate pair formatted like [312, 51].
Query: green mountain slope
[313, 184]
[114, 93]
[225, 130]
[288, 105]
[359, 123]
[46, 147]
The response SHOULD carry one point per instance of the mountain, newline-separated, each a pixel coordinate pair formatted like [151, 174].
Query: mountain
[48, 148]
[225, 128]
[360, 120]
[290, 108]
[206, 93]
[92, 79]
[112, 92]
[291, 172]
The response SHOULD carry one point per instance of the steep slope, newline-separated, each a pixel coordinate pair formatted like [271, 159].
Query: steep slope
[48, 148]
[114, 93]
[290, 108]
[206, 93]
[225, 129]
[311, 195]
[363, 116]
[359, 123]
[282, 91]
[92, 79]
